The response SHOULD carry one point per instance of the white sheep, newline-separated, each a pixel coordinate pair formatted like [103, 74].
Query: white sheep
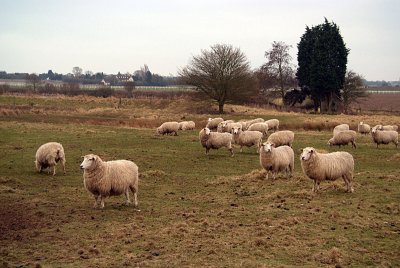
[212, 123]
[246, 138]
[387, 127]
[283, 137]
[329, 166]
[340, 127]
[253, 121]
[364, 128]
[262, 127]
[228, 128]
[108, 178]
[277, 159]
[384, 136]
[344, 137]
[222, 126]
[48, 155]
[273, 124]
[187, 125]
[168, 128]
[215, 140]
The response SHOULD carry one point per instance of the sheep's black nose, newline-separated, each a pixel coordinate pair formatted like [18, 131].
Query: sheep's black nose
[81, 166]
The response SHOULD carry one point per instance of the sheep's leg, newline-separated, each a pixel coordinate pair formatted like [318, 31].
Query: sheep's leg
[54, 170]
[266, 176]
[63, 165]
[207, 149]
[101, 202]
[134, 192]
[127, 201]
[315, 187]
[353, 144]
[241, 148]
[349, 187]
[95, 201]
[231, 150]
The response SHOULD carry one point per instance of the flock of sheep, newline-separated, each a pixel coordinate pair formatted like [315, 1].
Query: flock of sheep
[108, 178]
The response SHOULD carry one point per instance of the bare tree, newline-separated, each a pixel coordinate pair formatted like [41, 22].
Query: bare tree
[222, 73]
[77, 71]
[33, 80]
[278, 68]
[353, 90]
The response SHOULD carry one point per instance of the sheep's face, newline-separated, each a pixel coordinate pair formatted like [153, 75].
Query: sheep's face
[207, 131]
[267, 147]
[209, 120]
[89, 161]
[307, 153]
[361, 123]
[330, 142]
[236, 130]
[373, 130]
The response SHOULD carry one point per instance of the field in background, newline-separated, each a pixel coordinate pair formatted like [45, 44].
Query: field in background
[195, 210]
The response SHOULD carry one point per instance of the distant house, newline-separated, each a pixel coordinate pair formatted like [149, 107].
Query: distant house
[104, 83]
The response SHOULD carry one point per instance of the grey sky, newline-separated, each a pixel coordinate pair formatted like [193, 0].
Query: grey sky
[112, 36]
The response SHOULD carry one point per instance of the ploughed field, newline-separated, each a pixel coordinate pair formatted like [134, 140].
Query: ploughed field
[194, 210]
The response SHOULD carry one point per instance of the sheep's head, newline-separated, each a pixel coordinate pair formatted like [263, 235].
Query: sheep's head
[209, 119]
[267, 147]
[307, 153]
[330, 142]
[236, 130]
[361, 123]
[207, 131]
[89, 161]
[374, 129]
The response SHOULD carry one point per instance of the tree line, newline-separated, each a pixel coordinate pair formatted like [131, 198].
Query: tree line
[223, 73]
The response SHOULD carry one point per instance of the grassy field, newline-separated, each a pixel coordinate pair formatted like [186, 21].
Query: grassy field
[194, 210]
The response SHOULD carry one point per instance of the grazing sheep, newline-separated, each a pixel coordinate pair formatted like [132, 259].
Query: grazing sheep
[244, 124]
[330, 166]
[387, 127]
[273, 124]
[253, 121]
[212, 123]
[215, 140]
[279, 138]
[247, 138]
[340, 128]
[222, 126]
[168, 128]
[344, 137]
[108, 178]
[384, 136]
[364, 128]
[187, 125]
[276, 160]
[262, 127]
[48, 155]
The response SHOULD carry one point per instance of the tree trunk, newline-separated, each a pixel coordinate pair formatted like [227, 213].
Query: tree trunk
[221, 107]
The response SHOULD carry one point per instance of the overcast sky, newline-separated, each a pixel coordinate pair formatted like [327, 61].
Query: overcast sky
[120, 36]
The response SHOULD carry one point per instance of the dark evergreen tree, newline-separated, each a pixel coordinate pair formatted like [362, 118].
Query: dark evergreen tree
[322, 60]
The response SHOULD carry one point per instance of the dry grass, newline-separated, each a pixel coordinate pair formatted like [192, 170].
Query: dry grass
[194, 210]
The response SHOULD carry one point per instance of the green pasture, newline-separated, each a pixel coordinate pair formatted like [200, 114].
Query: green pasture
[194, 210]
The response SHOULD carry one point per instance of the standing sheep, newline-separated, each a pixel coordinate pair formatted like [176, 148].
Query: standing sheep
[247, 138]
[364, 128]
[212, 123]
[276, 160]
[340, 128]
[262, 127]
[331, 166]
[187, 125]
[230, 126]
[48, 155]
[387, 127]
[384, 136]
[279, 138]
[344, 137]
[168, 128]
[273, 124]
[222, 126]
[108, 178]
[215, 140]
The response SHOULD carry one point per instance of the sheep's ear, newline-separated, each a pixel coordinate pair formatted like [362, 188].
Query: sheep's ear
[82, 157]
[312, 151]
